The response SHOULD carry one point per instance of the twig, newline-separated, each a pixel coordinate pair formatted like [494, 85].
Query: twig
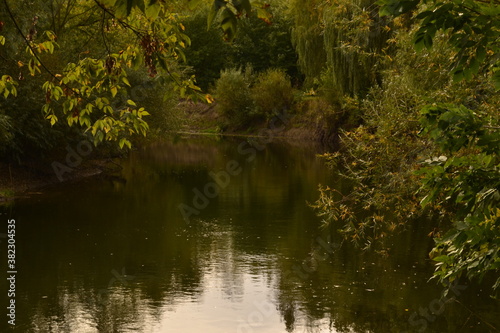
[475, 314]
[122, 23]
[103, 34]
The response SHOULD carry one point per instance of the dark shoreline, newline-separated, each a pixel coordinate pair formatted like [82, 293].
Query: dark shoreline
[22, 181]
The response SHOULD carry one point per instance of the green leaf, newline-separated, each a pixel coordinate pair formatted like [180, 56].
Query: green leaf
[124, 142]
[192, 4]
[264, 15]
[443, 258]
[458, 75]
[423, 39]
[474, 66]
[480, 53]
[114, 91]
[153, 9]
[214, 10]
[130, 5]
[125, 81]
[229, 23]
[53, 119]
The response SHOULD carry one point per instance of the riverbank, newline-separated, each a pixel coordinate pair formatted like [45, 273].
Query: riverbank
[306, 125]
[29, 180]
[201, 120]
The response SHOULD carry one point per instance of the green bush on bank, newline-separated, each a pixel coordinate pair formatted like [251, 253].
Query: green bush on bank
[272, 92]
[233, 95]
[244, 98]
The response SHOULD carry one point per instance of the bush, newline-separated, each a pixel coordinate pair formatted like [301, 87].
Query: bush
[233, 95]
[272, 92]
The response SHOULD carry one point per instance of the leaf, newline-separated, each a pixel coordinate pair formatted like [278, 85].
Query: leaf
[114, 91]
[53, 119]
[130, 5]
[209, 98]
[125, 81]
[443, 258]
[423, 39]
[458, 75]
[480, 53]
[474, 66]
[153, 9]
[192, 4]
[121, 143]
[229, 23]
[217, 5]
[396, 7]
[264, 15]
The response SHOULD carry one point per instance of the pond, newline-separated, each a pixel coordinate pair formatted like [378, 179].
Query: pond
[217, 236]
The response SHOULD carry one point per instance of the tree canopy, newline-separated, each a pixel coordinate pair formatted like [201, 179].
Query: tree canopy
[89, 86]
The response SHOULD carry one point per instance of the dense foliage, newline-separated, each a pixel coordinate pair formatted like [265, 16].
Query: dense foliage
[257, 43]
[458, 125]
[465, 181]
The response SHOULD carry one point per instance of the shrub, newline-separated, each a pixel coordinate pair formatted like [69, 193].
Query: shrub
[272, 92]
[233, 95]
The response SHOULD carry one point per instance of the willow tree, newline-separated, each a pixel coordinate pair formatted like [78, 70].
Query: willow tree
[355, 43]
[342, 41]
[307, 37]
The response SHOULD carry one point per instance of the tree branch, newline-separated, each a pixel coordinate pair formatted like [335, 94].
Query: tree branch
[11, 16]
[122, 23]
[103, 34]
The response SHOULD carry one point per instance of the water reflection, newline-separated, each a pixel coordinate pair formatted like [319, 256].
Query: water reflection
[116, 255]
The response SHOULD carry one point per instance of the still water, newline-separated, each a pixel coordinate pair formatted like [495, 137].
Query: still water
[214, 236]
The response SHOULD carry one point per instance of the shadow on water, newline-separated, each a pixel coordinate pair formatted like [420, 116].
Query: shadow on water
[158, 249]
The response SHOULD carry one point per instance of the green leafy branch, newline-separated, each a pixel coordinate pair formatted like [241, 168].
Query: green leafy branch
[229, 11]
[84, 93]
[472, 27]
[467, 182]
